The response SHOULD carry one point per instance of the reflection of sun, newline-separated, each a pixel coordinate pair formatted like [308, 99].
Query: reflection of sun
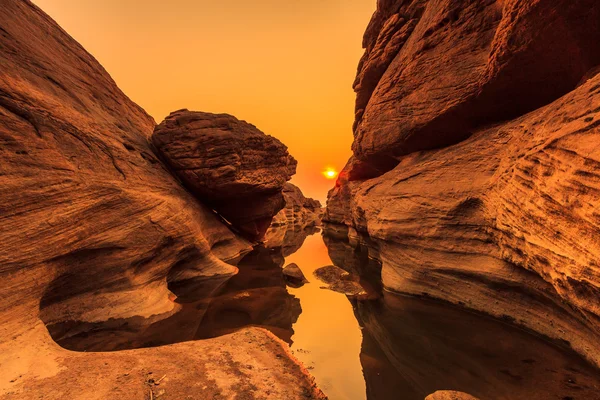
[330, 173]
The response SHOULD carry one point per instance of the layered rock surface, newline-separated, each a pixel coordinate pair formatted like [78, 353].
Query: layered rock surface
[299, 210]
[476, 163]
[417, 346]
[435, 70]
[228, 164]
[94, 227]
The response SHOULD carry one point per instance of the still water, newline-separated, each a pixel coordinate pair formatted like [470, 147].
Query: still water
[383, 346]
[327, 336]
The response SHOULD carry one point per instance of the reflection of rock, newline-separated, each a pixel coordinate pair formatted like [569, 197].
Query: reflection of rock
[294, 276]
[256, 296]
[340, 280]
[228, 164]
[381, 378]
[477, 126]
[450, 395]
[288, 239]
[298, 210]
[356, 255]
[434, 346]
[417, 346]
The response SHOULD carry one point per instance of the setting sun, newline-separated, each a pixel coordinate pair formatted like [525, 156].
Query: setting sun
[330, 173]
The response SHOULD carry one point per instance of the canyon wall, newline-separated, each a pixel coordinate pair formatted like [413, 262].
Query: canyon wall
[476, 166]
[94, 227]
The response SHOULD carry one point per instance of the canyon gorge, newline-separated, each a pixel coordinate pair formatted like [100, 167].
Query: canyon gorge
[457, 257]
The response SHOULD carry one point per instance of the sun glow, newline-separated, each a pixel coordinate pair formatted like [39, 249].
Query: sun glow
[330, 173]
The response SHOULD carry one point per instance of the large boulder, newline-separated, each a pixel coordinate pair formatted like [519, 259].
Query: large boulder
[228, 164]
[476, 162]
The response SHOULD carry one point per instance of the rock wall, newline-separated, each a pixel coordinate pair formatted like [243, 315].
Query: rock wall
[94, 227]
[476, 162]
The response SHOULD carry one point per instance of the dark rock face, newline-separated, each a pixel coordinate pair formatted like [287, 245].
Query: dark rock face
[229, 165]
[299, 210]
[474, 177]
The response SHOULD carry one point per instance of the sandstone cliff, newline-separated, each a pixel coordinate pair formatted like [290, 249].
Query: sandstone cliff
[94, 227]
[476, 161]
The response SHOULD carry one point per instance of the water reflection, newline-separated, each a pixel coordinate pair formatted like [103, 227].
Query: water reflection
[327, 336]
[412, 347]
[256, 296]
[379, 347]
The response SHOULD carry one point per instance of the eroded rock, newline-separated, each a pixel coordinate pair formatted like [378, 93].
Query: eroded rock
[479, 139]
[91, 225]
[228, 164]
[435, 70]
[299, 210]
[415, 345]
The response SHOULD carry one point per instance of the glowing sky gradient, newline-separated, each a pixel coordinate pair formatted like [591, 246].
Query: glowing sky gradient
[285, 66]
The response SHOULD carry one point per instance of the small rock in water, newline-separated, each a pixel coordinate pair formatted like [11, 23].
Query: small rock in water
[341, 281]
[332, 274]
[294, 276]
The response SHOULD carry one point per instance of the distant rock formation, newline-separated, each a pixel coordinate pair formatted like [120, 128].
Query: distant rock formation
[298, 210]
[477, 158]
[301, 217]
[92, 227]
[229, 165]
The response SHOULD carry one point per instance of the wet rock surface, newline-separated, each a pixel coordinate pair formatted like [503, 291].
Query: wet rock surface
[229, 165]
[475, 162]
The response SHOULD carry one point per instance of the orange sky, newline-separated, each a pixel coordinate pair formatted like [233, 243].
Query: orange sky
[285, 66]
